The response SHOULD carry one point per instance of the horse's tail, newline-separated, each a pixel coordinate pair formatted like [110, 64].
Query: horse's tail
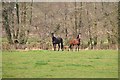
[70, 46]
[61, 43]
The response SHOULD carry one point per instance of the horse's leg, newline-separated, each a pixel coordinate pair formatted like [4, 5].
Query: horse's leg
[62, 47]
[70, 47]
[78, 47]
[58, 47]
[54, 45]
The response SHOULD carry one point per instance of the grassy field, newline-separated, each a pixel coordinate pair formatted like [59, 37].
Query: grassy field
[62, 64]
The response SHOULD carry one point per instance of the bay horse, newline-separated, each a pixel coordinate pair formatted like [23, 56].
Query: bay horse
[75, 42]
[57, 40]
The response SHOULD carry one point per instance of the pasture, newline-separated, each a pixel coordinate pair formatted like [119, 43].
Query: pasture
[60, 64]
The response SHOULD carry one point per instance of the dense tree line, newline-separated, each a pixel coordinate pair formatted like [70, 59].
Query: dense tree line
[97, 22]
[17, 20]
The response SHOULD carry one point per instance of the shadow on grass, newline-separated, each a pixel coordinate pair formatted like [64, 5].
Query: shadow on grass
[40, 63]
[79, 65]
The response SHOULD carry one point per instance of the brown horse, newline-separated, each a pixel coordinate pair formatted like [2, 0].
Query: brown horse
[75, 42]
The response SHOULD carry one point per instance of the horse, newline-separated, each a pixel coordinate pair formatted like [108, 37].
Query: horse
[74, 42]
[57, 40]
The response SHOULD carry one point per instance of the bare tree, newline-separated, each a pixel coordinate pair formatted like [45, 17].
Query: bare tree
[6, 10]
[15, 21]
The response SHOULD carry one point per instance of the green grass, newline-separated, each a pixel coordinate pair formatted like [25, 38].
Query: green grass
[62, 64]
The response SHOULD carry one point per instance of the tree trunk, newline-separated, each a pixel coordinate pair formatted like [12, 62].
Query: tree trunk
[118, 25]
[65, 24]
[95, 26]
[18, 21]
[75, 34]
[89, 32]
[22, 36]
[6, 23]
[80, 18]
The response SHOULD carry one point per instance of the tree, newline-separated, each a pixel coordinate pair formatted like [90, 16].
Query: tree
[89, 31]
[95, 27]
[15, 21]
[6, 11]
[119, 24]
[75, 19]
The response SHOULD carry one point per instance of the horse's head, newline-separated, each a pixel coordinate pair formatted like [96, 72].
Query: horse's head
[79, 36]
[52, 34]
